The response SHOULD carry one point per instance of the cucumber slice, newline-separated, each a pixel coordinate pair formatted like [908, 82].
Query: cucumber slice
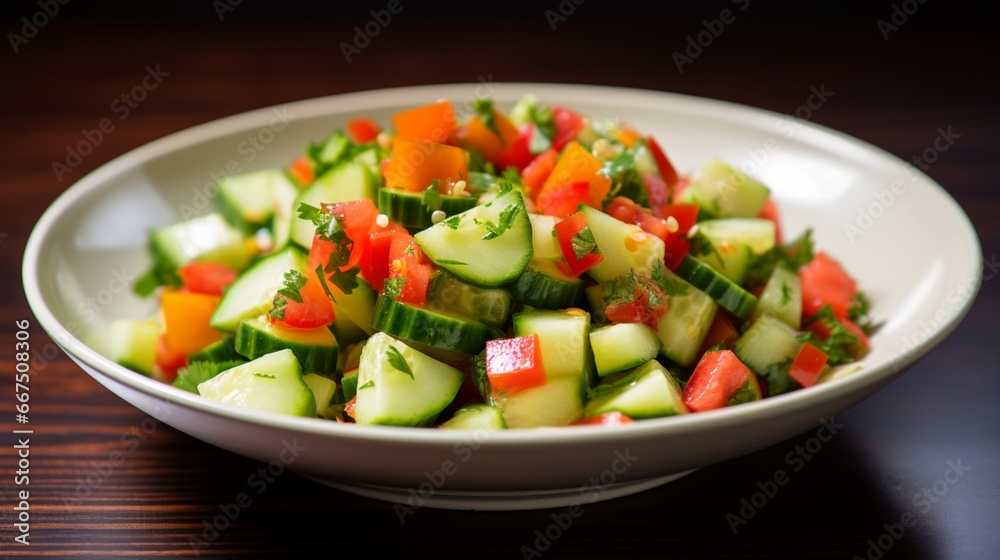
[133, 344]
[388, 395]
[625, 247]
[408, 210]
[768, 348]
[543, 240]
[757, 233]
[449, 294]
[545, 286]
[476, 417]
[463, 245]
[219, 351]
[316, 349]
[285, 193]
[557, 403]
[207, 238]
[248, 199]
[725, 192]
[649, 391]
[322, 389]
[564, 337]
[683, 327]
[253, 292]
[445, 330]
[358, 306]
[623, 346]
[344, 183]
[731, 260]
[271, 383]
[728, 295]
[782, 297]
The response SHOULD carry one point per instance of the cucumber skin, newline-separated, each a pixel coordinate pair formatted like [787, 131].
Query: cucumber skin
[728, 295]
[537, 289]
[253, 341]
[241, 387]
[416, 324]
[476, 417]
[236, 298]
[654, 394]
[406, 208]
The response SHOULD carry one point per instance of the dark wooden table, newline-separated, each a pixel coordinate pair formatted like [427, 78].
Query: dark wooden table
[856, 489]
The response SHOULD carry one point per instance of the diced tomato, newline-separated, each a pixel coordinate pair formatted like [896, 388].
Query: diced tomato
[675, 248]
[722, 330]
[565, 231]
[357, 218]
[822, 332]
[770, 212]
[477, 135]
[301, 171]
[406, 260]
[535, 174]
[514, 364]
[808, 364]
[315, 310]
[431, 123]
[569, 123]
[636, 311]
[685, 214]
[518, 154]
[657, 190]
[682, 184]
[563, 201]
[663, 164]
[186, 318]
[362, 130]
[824, 282]
[168, 361]
[415, 164]
[858, 332]
[676, 244]
[714, 381]
[206, 277]
[375, 263]
[577, 165]
[607, 419]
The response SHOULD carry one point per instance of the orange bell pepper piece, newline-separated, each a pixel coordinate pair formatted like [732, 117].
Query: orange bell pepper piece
[577, 165]
[185, 321]
[476, 135]
[414, 164]
[431, 123]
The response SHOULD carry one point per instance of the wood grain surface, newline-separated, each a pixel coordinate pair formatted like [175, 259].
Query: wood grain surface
[107, 481]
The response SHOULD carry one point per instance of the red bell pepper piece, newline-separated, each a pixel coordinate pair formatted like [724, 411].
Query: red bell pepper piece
[518, 154]
[514, 364]
[566, 230]
[362, 130]
[206, 277]
[407, 261]
[663, 164]
[563, 201]
[568, 124]
[714, 381]
[535, 174]
[808, 364]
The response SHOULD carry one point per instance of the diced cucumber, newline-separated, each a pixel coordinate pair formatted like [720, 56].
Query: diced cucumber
[545, 286]
[440, 329]
[782, 297]
[596, 303]
[838, 372]
[347, 331]
[564, 337]
[449, 294]
[330, 151]
[322, 389]
[389, 395]
[480, 379]
[248, 199]
[316, 349]
[197, 372]
[648, 391]
[683, 327]
[557, 403]
[625, 247]
[252, 294]
[768, 348]
[207, 238]
[408, 209]
[731, 260]
[285, 193]
[757, 233]
[465, 246]
[372, 159]
[543, 239]
[349, 383]
[727, 294]
[725, 192]
[358, 306]
[476, 417]
[218, 351]
[623, 346]
[271, 383]
[344, 183]
[133, 344]
[750, 391]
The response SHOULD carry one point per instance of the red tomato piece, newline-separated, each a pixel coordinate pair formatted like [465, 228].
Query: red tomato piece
[722, 330]
[301, 171]
[518, 154]
[685, 214]
[362, 130]
[568, 124]
[633, 312]
[535, 174]
[770, 212]
[714, 381]
[315, 310]
[375, 263]
[675, 248]
[357, 218]
[168, 361]
[514, 364]
[565, 231]
[563, 201]
[808, 364]
[824, 282]
[657, 189]
[406, 260]
[663, 164]
[206, 278]
[607, 419]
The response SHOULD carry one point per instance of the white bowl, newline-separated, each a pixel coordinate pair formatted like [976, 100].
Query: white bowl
[917, 256]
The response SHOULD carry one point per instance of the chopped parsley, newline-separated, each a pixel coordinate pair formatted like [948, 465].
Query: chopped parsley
[628, 288]
[506, 221]
[293, 282]
[786, 294]
[670, 286]
[195, 373]
[452, 222]
[329, 228]
[393, 287]
[451, 261]
[510, 175]
[584, 243]
[793, 256]
[842, 346]
[397, 361]
[265, 375]
[370, 384]
[858, 312]
[484, 108]
[431, 197]
[702, 246]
